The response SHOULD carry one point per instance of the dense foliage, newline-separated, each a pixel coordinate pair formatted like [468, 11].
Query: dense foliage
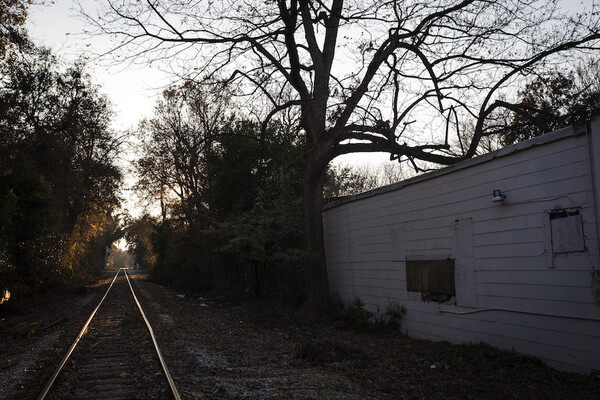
[363, 76]
[13, 14]
[58, 177]
[348, 180]
[229, 197]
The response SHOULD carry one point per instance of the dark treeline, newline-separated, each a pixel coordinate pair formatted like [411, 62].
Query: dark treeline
[230, 197]
[239, 203]
[228, 193]
[58, 178]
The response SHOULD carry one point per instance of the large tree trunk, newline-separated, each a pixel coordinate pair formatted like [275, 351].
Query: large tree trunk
[317, 284]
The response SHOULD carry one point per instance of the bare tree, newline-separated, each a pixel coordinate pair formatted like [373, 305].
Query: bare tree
[367, 76]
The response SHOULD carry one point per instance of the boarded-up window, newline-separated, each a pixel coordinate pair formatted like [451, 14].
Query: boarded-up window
[567, 231]
[431, 276]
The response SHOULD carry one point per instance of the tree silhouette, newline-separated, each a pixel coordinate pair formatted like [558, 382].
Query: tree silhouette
[554, 101]
[365, 76]
[58, 173]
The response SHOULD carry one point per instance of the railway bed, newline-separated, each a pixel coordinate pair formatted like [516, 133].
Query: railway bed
[115, 356]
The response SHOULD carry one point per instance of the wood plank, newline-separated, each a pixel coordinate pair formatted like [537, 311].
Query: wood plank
[430, 276]
[515, 250]
[540, 277]
[426, 193]
[522, 189]
[519, 164]
[587, 311]
[530, 290]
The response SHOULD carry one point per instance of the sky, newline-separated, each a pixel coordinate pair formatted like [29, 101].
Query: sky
[133, 90]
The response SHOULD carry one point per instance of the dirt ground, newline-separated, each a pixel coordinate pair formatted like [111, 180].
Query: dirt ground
[218, 348]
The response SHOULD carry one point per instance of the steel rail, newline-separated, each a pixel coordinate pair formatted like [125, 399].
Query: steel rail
[83, 330]
[160, 356]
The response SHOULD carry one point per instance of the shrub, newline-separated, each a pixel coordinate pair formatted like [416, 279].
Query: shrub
[393, 316]
[353, 315]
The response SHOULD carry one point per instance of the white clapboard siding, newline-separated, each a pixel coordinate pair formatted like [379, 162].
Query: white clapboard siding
[512, 291]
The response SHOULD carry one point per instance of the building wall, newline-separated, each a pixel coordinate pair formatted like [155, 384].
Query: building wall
[517, 286]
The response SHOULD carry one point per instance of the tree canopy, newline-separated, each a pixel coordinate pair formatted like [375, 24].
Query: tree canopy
[553, 101]
[229, 193]
[364, 76]
[369, 70]
[58, 173]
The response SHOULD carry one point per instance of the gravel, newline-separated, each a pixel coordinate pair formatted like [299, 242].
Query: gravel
[220, 348]
[223, 349]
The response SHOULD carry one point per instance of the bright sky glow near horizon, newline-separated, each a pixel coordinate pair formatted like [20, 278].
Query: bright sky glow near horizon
[132, 89]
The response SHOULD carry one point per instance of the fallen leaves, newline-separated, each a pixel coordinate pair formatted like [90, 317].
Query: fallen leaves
[275, 353]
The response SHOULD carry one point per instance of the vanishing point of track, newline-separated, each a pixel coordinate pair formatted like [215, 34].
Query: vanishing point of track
[115, 356]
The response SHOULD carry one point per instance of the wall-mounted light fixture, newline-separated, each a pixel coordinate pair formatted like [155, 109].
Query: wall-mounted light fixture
[497, 196]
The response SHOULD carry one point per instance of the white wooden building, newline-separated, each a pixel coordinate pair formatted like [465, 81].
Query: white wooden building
[519, 271]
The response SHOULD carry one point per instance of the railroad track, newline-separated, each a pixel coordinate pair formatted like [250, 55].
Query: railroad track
[115, 356]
